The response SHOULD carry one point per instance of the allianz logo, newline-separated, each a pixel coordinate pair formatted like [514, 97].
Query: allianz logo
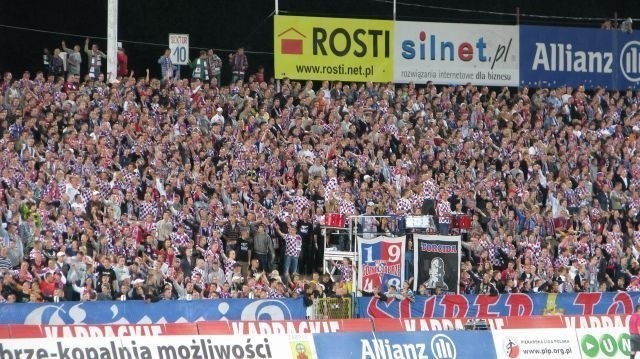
[562, 57]
[442, 347]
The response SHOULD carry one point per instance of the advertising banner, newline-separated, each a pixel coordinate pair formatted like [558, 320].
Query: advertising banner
[604, 343]
[557, 56]
[140, 312]
[308, 48]
[517, 304]
[381, 262]
[536, 343]
[456, 53]
[501, 323]
[285, 327]
[166, 347]
[437, 262]
[440, 345]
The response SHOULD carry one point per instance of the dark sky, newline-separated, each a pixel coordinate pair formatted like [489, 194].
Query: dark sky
[226, 24]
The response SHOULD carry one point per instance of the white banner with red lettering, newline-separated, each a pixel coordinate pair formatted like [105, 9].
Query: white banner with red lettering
[151, 347]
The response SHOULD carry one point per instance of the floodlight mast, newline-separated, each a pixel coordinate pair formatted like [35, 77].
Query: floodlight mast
[112, 39]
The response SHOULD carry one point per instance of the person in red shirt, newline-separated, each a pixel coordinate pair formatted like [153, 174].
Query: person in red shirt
[123, 60]
[634, 331]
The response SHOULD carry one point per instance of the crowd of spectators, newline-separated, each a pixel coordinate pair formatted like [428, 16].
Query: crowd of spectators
[165, 188]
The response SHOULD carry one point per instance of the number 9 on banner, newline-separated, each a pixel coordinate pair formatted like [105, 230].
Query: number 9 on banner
[394, 252]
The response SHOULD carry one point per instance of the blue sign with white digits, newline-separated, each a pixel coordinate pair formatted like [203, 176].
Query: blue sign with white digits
[557, 56]
[133, 312]
[437, 345]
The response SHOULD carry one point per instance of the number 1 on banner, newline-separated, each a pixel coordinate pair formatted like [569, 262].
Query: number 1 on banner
[369, 252]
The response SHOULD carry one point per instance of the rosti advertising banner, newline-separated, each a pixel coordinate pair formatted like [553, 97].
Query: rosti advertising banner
[310, 48]
[535, 343]
[557, 56]
[166, 347]
[604, 342]
[456, 53]
[439, 345]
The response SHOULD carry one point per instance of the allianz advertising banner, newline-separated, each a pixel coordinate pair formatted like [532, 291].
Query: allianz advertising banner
[556, 56]
[456, 53]
[422, 345]
[309, 48]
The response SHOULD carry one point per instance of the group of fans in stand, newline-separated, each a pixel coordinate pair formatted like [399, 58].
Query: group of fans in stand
[165, 188]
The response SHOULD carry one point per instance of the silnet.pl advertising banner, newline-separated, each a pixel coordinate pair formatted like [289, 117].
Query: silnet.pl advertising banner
[456, 53]
[556, 56]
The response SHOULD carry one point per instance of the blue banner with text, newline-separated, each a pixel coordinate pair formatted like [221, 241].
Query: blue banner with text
[558, 56]
[471, 306]
[441, 345]
[140, 312]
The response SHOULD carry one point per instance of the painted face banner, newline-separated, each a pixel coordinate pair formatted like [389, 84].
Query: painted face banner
[437, 263]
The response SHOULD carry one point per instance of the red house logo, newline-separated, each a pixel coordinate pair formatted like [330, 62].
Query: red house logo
[291, 46]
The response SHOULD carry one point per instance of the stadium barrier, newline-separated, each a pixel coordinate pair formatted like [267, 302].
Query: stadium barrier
[557, 336]
[332, 308]
[447, 306]
[294, 327]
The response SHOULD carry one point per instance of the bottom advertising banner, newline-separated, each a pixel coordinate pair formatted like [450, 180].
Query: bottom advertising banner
[604, 342]
[165, 347]
[536, 343]
[439, 345]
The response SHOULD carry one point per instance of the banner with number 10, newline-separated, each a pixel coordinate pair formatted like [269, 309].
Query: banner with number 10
[381, 263]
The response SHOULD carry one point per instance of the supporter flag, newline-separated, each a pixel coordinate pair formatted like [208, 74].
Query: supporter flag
[437, 262]
[381, 262]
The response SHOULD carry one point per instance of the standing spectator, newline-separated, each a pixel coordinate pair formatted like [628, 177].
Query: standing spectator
[239, 65]
[95, 57]
[243, 249]
[215, 66]
[167, 68]
[46, 56]
[74, 59]
[123, 60]
[293, 247]
[259, 76]
[56, 64]
[200, 67]
[263, 248]
[443, 210]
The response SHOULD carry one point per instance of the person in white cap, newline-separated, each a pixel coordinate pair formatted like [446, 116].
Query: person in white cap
[218, 118]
